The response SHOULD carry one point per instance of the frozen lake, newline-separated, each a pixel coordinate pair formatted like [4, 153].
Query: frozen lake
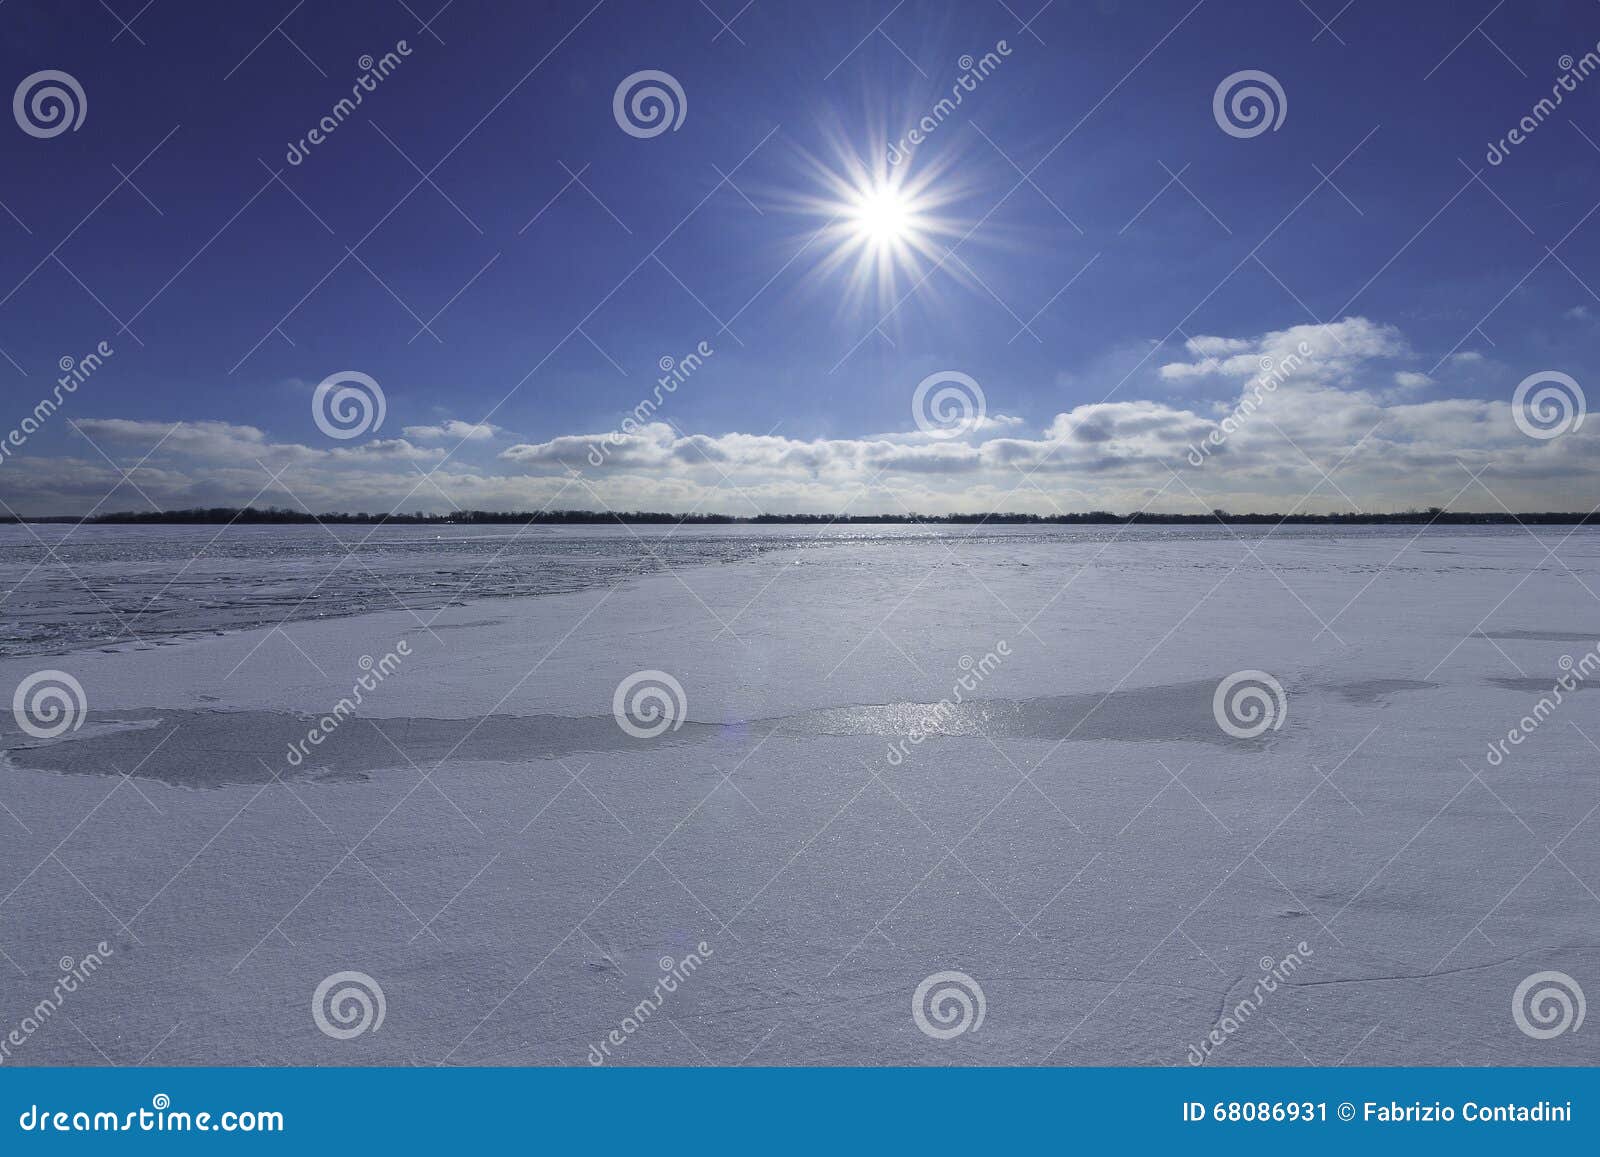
[70, 586]
[891, 753]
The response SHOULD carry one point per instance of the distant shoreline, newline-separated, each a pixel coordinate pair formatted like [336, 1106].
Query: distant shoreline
[252, 516]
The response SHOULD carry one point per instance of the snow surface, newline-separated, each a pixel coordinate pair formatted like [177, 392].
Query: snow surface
[489, 845]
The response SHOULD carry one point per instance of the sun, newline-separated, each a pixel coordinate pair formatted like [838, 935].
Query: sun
[882, 216]
[884, 228]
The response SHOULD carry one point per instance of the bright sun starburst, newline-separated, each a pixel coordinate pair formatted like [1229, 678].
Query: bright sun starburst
[883, 225]
[882, 217]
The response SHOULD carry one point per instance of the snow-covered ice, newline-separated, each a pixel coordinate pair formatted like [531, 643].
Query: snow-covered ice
[1079, 835]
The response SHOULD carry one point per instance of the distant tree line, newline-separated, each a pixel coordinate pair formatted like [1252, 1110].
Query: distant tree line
[278, 516]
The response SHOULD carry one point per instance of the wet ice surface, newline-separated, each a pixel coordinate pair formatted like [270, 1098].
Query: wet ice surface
[1077, 834]
[206, 748]
[213, 748]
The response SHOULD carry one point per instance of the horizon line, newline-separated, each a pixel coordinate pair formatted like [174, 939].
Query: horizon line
[252, 515]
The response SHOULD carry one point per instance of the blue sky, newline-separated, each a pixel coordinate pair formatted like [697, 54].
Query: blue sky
[556, 258]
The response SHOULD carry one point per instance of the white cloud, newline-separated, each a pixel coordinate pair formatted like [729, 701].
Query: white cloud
[455, 429]
[1330, 352]
[1408, 384]
[226, 442]
[1341, 401]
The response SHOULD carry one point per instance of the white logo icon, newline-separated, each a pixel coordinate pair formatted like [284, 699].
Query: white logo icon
[1556, 406]
[1258, 104]
[948, 1004]
[955, 407]
[648, 703]
[347, 405]
[1247, 703]
[656, 106]
[1548, 1004]
[347, 1004]
[49, 703]
[49, 103]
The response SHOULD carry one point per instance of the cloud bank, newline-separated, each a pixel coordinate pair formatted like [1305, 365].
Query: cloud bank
[1315, 418]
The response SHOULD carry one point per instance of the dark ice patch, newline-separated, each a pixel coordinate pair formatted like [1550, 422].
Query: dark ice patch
[1541, 686]
[1542, 636]
[1379, 690]
[197, 748]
